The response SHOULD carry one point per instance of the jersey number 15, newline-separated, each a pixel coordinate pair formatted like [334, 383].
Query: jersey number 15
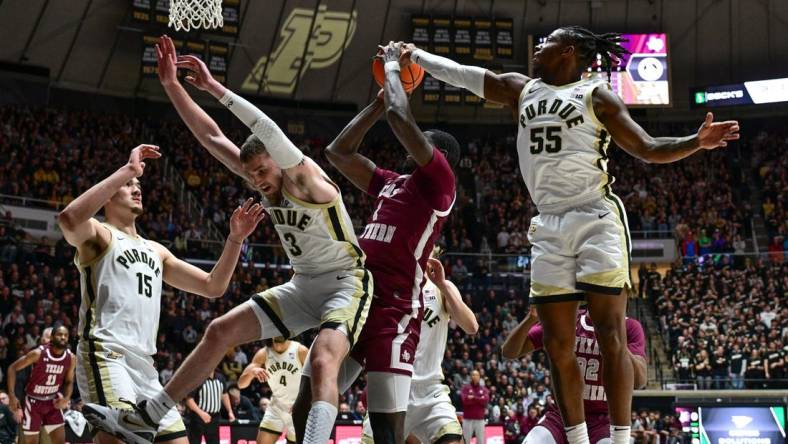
[546, 139]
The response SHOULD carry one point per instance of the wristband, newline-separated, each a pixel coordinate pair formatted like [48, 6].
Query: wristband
[391, 65]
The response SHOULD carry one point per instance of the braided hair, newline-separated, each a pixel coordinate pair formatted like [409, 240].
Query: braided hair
[588, 45]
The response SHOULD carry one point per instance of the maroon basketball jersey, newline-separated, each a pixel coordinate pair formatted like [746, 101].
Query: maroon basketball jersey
[590, 358]
[401, 232]
[48, 373]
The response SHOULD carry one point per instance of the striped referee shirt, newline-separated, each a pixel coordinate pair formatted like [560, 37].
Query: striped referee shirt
[209, 396]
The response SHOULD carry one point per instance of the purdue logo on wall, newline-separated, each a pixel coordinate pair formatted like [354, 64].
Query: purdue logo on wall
[331, 30]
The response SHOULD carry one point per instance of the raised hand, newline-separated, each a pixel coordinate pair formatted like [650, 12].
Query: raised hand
[390, 52]
[199, 75]
[715, 134]
[166, 58]
[435, 271]
[138, 156]
[245, 219]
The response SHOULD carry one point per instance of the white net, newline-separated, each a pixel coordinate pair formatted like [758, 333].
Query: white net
[188, 14]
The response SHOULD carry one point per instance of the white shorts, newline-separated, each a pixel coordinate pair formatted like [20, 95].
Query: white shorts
[339, 299]
[107, 373]
[582, 249]
[278, 419]
[430, 415]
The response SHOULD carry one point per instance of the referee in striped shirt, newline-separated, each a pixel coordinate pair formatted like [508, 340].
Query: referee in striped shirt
[205, 405]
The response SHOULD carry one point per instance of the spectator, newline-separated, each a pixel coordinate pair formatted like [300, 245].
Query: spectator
[241, 406]
[475, 397]
[702, 367]
[8, 425]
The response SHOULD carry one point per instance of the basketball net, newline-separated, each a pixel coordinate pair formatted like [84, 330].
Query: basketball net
[188, 14]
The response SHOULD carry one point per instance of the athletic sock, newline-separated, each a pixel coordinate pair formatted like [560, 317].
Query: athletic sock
[320, 423]
[577, 434]
[620, 434]
[158, 406]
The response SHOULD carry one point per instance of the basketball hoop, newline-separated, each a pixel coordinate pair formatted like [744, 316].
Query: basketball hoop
[188, 14]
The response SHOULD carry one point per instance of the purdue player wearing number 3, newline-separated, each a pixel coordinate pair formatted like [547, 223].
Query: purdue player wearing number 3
[330, 289]
[48, 388]
[580, 239]
[279, 364]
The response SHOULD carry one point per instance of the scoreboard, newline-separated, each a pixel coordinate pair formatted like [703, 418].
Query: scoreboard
[481, 41]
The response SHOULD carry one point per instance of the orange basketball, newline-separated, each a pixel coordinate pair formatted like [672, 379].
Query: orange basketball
[411, 75]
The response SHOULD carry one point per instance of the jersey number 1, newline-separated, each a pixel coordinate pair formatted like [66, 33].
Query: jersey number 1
[546, 138]
[144, 279]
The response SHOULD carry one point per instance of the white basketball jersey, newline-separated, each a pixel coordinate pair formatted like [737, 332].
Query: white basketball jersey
[433, 337]
[318, 238]
[121, 294]
[284, 370]
[561, 145]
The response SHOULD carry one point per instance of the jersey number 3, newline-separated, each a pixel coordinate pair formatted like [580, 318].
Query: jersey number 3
[546, 139]
[294, 248]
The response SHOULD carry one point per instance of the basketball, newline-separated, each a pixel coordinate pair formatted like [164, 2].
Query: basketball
[411, 75]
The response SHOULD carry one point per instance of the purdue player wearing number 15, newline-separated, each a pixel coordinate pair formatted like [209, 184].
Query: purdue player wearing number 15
[330, 288]
[580, 238]
[121, 279]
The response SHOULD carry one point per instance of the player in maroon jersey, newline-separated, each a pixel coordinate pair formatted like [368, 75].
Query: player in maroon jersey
[528, 336]
[410, 210]
[48, 388]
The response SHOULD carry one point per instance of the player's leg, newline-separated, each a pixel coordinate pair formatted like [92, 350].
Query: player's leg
[271, 426]
[301, 406]
[31, 437]
[344, 299]
[556, 299]
[267, 437]
[31, 421]
[431, 416]
[388, 428]
[57, 433]
[539, 435]
[603, 261]
[54, 424]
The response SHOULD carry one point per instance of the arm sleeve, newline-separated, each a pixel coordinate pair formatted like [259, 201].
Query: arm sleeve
[636, 338]
[535, 335]
[451, 72]
[379, 179]
[435, 182]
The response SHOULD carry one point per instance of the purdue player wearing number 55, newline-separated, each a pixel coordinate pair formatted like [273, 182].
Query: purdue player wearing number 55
[580, 239]
[330, 289]
[279, 364]
[121, 279]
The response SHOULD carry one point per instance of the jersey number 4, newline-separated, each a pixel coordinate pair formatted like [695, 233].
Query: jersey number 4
[143, 285]
[546, 139]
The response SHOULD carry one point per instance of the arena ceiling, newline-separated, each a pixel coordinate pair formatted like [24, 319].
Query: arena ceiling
[96, 44]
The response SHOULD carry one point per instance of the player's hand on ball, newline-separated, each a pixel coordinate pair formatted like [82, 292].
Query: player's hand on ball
[138, 156]
[61, 403]
[261, 374]
[435, 271]
[166, 58]
[245, 219]
[715, 134]
[390, 52]
[405, 52]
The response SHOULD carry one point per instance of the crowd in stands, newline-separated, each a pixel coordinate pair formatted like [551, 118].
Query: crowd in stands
[65, 152]
[726, 325]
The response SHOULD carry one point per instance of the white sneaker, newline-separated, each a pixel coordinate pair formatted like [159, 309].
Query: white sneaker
[130, 426]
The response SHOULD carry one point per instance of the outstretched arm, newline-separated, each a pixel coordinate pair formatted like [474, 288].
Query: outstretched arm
[76, 220]
[500, 88]
[518, 344]
[452, 300]
[398, 111]
[201, 125]
[633, 139]
[25, 361]
[185, 276]
[303, 171]
[255, 370]
[343, 151]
